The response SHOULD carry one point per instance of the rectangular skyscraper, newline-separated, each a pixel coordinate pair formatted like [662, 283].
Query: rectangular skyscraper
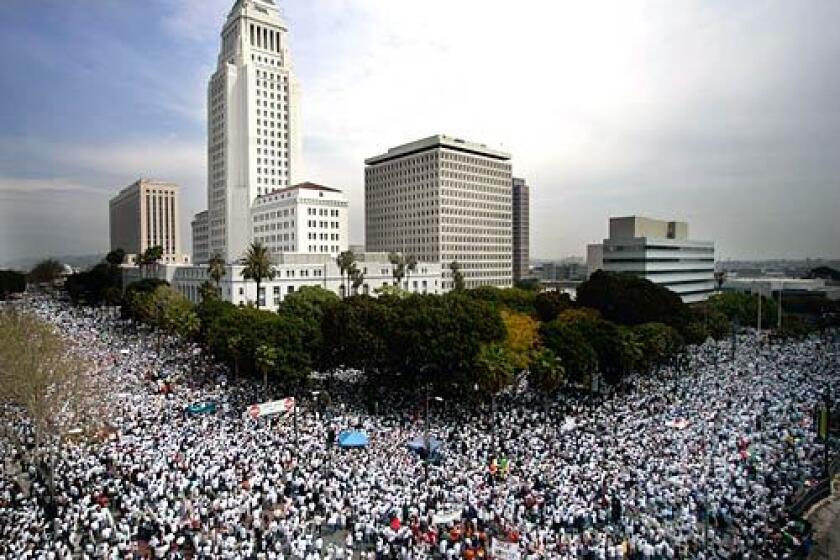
[443, 199]
[145, 214]
[521, 229]
[254, 128]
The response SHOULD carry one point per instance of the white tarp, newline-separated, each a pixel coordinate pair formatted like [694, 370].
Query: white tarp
[568, 425]
[679, 424]
[505, 550]
[283, 406]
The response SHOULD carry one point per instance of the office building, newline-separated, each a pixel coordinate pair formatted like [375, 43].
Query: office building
[521, 229]
[443, 199]
[143, 215]
[200, 238]
[254, 127]
[659, 251]
[305, 218]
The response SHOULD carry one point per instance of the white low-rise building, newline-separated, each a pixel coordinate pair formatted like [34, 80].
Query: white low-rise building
[292, 272]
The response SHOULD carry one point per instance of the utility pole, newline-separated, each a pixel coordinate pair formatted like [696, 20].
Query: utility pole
[779, 318]
[426, 438]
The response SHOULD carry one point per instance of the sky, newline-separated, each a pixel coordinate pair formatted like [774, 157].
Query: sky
[723, 114]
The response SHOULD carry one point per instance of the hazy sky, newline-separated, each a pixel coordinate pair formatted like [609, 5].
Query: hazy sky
[724, 114]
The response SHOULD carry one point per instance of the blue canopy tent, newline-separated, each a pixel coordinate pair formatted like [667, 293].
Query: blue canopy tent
[205, 407]
[350, 438]
[418, 444]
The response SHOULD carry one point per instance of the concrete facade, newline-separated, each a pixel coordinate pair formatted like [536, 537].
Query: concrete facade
[442, 199]
[200, 238]
[254, 127]
[661, 252]
[146, 214]
[305, 218]
[521, 229]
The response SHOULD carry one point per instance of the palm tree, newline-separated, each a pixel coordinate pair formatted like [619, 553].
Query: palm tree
[410, 266]
[399, 262]
[258, 266]
[345, 260]
[216, 270]
[356, 277]
[457, 276]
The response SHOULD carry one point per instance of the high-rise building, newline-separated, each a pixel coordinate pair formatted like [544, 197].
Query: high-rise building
[145, 214]
[200, 238]
[305, 218]
[659, 251]
[521, 229]
[254, 126]
[443, 199]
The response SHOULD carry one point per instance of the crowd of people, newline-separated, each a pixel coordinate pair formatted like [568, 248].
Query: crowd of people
[674, 464]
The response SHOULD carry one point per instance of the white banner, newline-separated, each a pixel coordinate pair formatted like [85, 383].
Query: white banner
[446, 517]
[283, 406]
[505, 550]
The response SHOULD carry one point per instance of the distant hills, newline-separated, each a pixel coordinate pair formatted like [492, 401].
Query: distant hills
[76, 261]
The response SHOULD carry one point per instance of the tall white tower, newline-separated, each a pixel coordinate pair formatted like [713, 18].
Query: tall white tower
[254, 128]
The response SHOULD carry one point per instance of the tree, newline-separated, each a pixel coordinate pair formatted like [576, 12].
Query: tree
[567, 342]
[258, 266]
[458, 283]
[510, 298]
[175, 313]
[149, 258]
[266, 360]
[495, 367]
[46, 272]
[549, 304]
[410, 266]
[546, 371]
[627, 299]
[399, 263]
[743, 308]
[389, 290]
[356, 277]
[208, 291]
[11, 282]
[115, 257]
[522, 337]
[216, 270]
[45, 385]
[309, 304]
[345, 260]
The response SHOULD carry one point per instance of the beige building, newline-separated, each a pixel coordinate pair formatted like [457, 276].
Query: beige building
[659, 251]
[443, 199]
[145, 214]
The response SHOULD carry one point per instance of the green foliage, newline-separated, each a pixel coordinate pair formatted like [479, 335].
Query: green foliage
[355, 334]
[658, 342]
[547, 371]
[511, 298]
[743, 308]
[345, 260]
[102, 283]
[309, 305]
[391, 291]
[138, 300]
[494, 366]
[629, 300]
[549, 304]
[46, 272]
[522, 337]
[115, 257]
[11, 282]
[575, 351]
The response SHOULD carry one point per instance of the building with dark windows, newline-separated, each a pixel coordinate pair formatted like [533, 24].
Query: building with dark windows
[659, 251]
[521, 229]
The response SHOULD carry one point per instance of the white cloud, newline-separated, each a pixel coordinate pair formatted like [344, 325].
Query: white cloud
[50, 185]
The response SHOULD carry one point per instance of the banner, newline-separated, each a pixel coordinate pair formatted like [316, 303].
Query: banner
[505, 550]
[446, 517]
[283, 406]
